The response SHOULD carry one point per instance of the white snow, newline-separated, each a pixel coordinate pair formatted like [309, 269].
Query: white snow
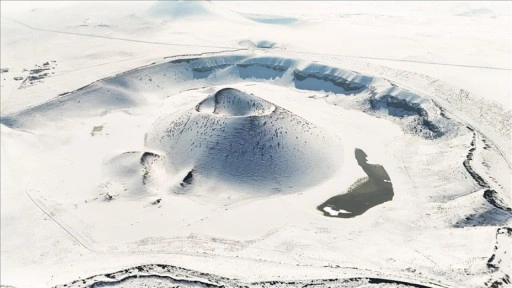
[205, 135]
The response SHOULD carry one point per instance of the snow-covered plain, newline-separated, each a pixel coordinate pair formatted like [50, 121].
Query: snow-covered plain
[155, 144]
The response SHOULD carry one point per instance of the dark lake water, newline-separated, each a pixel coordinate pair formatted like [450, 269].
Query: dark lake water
[364, 194]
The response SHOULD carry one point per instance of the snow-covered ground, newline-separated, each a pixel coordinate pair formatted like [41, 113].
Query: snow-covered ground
[223, 141]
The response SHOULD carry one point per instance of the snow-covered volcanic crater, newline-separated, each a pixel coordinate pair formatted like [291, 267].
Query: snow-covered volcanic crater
[231, 137]
[201, 144]
[417, 114]
[243, 140]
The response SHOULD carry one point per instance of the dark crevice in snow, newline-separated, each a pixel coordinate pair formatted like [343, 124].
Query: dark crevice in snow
[146, 160]
[173, 276]
[183, 60]
[401, 108]
[341, 85]
[210, 68]
[499, 262]
[269, 66]
[494, 198]
[467, 162]
[491, 195]
[189, 178]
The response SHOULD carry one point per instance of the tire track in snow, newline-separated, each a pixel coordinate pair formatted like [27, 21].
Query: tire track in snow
[402, 60]
[49, 214]
[229, 47]
[118, 38]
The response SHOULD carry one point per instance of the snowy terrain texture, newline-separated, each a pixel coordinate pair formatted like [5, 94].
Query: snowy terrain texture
[202, 144]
